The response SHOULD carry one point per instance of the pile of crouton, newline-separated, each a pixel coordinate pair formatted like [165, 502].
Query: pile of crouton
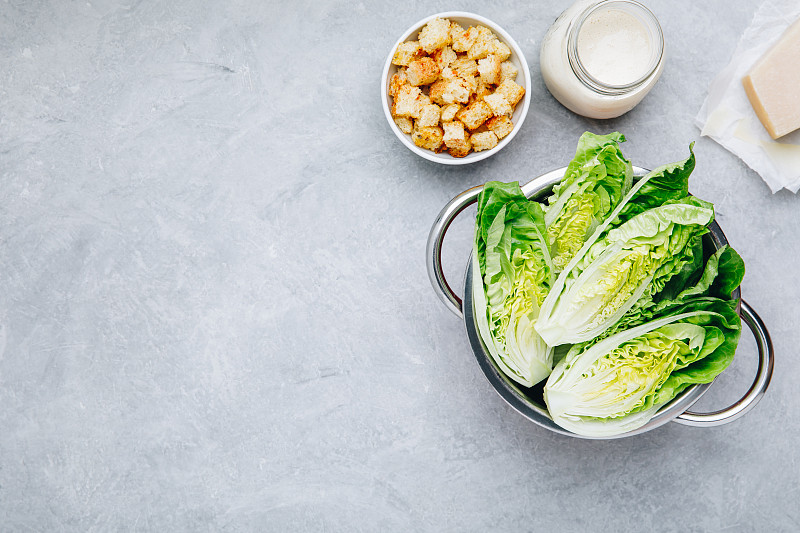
[455, 90]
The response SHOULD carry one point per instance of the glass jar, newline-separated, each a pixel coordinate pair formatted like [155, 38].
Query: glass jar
[600, 58]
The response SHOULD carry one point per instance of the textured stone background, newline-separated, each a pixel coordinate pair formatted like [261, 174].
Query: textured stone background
[214, 309]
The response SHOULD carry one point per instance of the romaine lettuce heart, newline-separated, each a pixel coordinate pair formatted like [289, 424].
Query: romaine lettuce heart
[614, 385]
[512, 273]
[594, 184]
[630, 264]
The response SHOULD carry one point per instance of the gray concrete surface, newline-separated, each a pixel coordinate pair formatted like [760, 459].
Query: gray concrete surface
[214, 309]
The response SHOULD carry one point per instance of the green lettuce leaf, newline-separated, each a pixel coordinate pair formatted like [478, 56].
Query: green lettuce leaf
[614, 385]
[627, 267]
[716, 314]
[596, 180]
[663, 185]
[723, 272]
[512, 273]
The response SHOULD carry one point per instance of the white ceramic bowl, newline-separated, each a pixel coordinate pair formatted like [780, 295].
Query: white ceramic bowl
[523, 78]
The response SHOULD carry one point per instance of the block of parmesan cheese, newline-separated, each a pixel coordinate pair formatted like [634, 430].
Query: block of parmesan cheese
[773, 85]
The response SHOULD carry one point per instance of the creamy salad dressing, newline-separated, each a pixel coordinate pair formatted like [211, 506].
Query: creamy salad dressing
[600, 58]
[614, 47]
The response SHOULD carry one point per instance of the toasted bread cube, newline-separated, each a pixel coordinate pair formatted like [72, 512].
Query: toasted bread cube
[456, 138]
[470, 82]
[453, 91]
[436, 91]
[455, 31]
[489, 69]
[458, 91]
[463, 39]
[482, 46]
[483, 89]
[407, 52]
[408, 102]
[475, 114]
[501, 50]
[454, 133]
[429, 138]
[508, 71]
[485, 140]
[429, 116]
[435, 35]
[422, 71]
[464, 67]
[460, 152]
[501, 126]
[449, 112]
[445, 92]
[511, 91]
[404, 123]
[444, 56]
[398, 80]
[499, 104]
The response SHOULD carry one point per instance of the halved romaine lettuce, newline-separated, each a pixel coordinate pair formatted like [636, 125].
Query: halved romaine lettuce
[630, 263]
[594, 184]
[614, 385]
[721, 274]
[512, 273]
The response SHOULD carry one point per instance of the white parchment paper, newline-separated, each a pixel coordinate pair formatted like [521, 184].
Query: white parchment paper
[727, 116]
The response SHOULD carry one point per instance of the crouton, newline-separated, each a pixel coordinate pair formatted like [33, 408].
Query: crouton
[501, 126]
[408, 102]
[444, 56]
[483, 89]
[449, 112]
[511, 91]
[508, 71]
[501, 50]
[498, 103]
[445, 92]
[475, 114]
[454, 134]
[407, 52]
[470, 83]
[458, 91]
[482, 46]
[464, 67]
[460, 152]
[483, 141]
[429, 138]
[436, 91]
[423, 100]
[489, 69]
[429, 116]
[404, 123]
[435, 35]
[455, 31]
[463, 40]
[456, 139]
[398, 80]
[422, 71]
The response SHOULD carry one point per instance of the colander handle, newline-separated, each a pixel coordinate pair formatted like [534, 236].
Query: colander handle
[433, 251]
[766, 361]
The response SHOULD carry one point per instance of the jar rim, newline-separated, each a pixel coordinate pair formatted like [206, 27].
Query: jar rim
[647, 17]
